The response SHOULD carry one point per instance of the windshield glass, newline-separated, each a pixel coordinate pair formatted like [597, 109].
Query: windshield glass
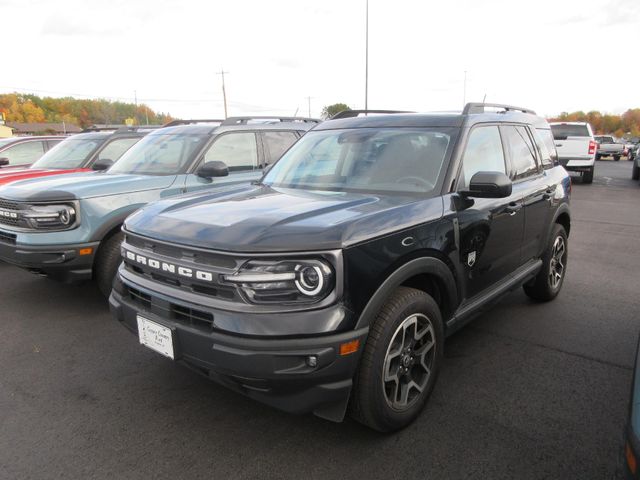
[389, 160]
[159, 154]
[565, 130]
[70, 153]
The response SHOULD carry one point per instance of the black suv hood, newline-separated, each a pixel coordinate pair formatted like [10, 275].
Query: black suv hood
[261, 218]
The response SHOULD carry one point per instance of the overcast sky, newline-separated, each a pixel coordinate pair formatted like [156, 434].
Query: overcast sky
[546, 55]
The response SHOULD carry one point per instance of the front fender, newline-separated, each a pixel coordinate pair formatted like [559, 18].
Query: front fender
[425, 265]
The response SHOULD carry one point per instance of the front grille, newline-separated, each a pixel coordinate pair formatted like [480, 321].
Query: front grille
[9, 238]
[8, 205]
[192, 317]
[14, 222]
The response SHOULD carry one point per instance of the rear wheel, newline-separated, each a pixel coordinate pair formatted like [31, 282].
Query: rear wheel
[587, 177]
[616, 158]
[107, 261]
[400, 362]
[635, 171]
[547, 284]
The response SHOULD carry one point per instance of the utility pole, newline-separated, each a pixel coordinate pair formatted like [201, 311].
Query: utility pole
[464, 90]
[366, 58]
[135, 101]
[309, 104]
[224, 92]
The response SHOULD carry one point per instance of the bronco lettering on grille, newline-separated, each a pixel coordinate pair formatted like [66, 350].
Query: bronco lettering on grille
[169, 267]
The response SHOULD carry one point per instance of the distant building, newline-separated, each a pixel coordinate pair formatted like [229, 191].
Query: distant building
[42, 128]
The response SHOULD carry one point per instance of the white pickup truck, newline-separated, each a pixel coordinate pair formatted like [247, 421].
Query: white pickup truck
[576, 147]
[608, 145]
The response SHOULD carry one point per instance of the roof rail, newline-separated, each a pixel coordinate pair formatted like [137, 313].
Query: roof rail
[103, 128]
[355, 113]
[173, 123]
[268, 119]
[479, 108]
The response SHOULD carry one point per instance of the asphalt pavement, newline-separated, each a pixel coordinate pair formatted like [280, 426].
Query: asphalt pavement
[528, 391]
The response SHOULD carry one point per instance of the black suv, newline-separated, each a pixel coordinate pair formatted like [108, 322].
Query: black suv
[334, 280]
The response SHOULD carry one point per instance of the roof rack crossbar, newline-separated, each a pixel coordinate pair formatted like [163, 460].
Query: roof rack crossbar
[274, 118]
[355, 113]
[173, 123]
[120, 128]
[479, 108]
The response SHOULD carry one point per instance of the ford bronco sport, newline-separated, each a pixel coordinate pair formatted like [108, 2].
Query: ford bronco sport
[333, 281]
[68, 227]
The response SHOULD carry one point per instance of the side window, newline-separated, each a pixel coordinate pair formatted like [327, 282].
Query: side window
[23, 153]
[276, 143]
[483, 153]
[238, 150]
[521, 152]
[544, 139]
[116, 149]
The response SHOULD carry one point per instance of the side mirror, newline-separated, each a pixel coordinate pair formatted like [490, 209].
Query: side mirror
[4, 161]
[489, 185]
[102, 164]
[212, 169]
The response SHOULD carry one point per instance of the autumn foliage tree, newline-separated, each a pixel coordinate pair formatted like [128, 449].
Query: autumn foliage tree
[32, 108]
[627, 124]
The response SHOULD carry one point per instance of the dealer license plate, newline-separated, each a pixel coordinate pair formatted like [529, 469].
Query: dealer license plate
[155, 336]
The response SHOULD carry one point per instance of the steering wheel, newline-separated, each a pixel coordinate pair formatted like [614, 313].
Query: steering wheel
[415, 180]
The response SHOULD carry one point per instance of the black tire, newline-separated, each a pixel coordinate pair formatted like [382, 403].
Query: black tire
[616, 158]
[587, 177]
[597, 157]
[635, 171]
[541, 288]
[369, 401]
[107, 262]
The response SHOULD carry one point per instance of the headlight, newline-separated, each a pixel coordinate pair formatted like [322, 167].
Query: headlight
[288, 281]
[51, 217]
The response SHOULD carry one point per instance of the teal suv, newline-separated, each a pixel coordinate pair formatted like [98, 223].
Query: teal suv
[68, 227]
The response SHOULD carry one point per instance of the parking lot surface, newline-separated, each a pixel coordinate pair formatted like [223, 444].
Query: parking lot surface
[527, 390]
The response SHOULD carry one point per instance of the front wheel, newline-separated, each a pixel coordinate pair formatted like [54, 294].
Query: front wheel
[616, 158]
[107, 262]
[400, 362]
[547, 284]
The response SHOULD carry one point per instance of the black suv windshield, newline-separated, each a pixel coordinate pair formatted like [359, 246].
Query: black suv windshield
[386, 160]
[159, 154]
[70, 153]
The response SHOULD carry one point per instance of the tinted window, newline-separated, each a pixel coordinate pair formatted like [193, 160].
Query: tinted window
[544, 139]
[70, 153]
[277, 143]
[23, 153]
[604, 140]
[564, 130]
[116, 149]
[160, 154]
[238, 150]
[389, 160]
[483, 153]
[521, 152]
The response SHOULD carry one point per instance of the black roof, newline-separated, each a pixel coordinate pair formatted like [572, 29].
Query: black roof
[473, 113]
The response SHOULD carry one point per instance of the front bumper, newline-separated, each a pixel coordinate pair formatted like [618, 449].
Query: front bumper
[274, 370]
[61, 262]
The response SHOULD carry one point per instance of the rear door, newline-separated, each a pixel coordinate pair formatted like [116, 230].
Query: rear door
[531, 183]
[491, 229]
[239, 151]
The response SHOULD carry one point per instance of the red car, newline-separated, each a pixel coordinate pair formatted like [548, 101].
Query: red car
[82, 152]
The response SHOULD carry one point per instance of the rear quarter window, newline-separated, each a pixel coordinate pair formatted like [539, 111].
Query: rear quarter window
[547, 147]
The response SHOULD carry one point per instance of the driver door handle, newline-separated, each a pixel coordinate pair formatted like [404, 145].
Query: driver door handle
[513, 208]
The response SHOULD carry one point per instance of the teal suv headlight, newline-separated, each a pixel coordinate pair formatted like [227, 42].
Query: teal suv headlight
[284, 281]
[51, 217]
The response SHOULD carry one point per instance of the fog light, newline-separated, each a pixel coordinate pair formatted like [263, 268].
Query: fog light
[312, 361]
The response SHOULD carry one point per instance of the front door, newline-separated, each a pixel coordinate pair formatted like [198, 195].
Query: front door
[491, 230]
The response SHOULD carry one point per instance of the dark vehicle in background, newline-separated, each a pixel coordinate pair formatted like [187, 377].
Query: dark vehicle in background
[20, 152]
[631, 452]
[608, 146]
[334, 280]
[97, 150]
[576, 147]
[68, 227]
